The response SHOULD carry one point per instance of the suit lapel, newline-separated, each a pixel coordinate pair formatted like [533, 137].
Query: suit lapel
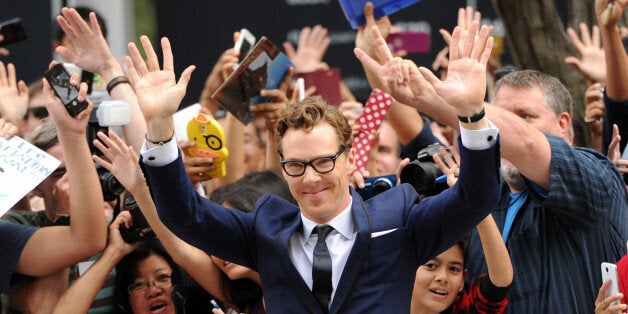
[358, 252]
[282, 243]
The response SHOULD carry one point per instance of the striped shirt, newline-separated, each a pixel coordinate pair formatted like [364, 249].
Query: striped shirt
[557, 243]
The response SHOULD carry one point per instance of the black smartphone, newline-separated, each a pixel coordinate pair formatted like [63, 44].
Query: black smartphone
[59, 79]
[12, 30]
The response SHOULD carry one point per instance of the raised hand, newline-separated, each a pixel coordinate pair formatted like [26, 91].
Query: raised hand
[313, 43]
[465, 85]
[13, 95]
[609, 12]
[448, 166]
[91, 51]
[594, 110]
[365, 39]
[614, 154]
[116, 243]
[272, 110]
[593, 63]
[603, 304]
[121, 160]
[390, 74]
[195, 167]
[59, 114]
[158, 92]
[466, 17]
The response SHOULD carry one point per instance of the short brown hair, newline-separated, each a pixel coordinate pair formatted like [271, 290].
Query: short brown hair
[308, 113]
[555, 94]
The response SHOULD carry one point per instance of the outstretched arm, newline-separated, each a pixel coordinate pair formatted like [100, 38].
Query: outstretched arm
[92, 53]
[53, 248]
[526, 147]
[616, 58]
[124, 166]
[79, 297]
[500, 270]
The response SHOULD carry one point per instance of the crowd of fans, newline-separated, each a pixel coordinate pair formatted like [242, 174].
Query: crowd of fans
[521, 225]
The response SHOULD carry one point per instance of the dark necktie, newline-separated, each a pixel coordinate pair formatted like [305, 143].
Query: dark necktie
[321, 268]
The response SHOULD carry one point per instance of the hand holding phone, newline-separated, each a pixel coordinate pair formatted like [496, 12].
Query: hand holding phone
[609, 271]
[59, 80]
[245, 42]
[12, 31]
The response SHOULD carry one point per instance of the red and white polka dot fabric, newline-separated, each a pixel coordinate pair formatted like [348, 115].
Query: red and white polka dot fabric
[375, 111]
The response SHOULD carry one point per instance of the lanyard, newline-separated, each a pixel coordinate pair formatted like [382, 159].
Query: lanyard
[516, 201]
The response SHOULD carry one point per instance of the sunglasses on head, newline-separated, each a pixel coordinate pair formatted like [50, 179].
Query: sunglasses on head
[39, 112]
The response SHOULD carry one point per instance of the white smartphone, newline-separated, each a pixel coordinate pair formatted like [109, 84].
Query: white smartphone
[301, 88]
[245, 42]
[609, 271]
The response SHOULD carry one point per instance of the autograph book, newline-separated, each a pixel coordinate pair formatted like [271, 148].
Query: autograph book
[263, 67]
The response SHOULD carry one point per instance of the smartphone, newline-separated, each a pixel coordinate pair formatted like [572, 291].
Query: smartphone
[301, 89]
[59, 79]
[12, 30]
[609, 271]
[245, 42]
[411, 42]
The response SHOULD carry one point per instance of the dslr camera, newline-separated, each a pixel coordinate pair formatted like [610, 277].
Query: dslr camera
[105, 114]
[140, 231]
[422, 172]
[377, 185]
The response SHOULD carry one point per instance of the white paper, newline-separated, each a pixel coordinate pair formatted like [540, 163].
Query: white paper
[22, 167]
[181, 119]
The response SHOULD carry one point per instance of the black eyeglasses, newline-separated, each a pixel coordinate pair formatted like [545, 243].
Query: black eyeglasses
[142, 286]
[39, 112]
[325, 164]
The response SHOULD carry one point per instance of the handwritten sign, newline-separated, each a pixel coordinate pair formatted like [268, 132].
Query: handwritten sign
[22, 167]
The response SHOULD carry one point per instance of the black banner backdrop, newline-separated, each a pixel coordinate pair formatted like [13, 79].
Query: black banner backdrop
[201, 30]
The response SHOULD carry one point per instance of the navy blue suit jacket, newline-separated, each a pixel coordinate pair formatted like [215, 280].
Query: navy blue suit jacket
[395, 234]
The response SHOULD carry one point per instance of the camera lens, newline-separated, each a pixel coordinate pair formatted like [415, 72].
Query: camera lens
[421, 175]
[381, 185]
[111, 187]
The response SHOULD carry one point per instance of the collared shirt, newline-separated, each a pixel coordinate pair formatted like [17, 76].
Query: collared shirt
[472, 139]
[339, 242]
[558, 241]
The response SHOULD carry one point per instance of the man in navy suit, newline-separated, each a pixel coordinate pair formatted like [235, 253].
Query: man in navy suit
[374, 247]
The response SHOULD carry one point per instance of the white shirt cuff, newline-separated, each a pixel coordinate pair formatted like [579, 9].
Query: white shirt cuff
[479, 139]
[160, 155]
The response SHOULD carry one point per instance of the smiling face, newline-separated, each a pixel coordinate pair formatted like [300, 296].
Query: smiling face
[438, 282]
[321, 196]
[157, 299]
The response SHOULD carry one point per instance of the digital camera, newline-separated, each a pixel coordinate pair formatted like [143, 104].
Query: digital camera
[140, 231]
[422, 172]
[105, 114]
[377, 185]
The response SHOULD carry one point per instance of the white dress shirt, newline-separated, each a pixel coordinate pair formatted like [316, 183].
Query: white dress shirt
[339, 242]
